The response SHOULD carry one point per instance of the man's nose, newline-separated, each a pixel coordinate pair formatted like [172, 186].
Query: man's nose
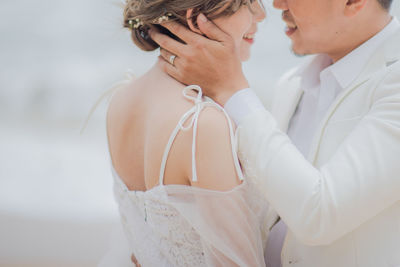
[280, 4]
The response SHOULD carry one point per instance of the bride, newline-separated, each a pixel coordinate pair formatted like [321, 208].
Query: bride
[182, 197]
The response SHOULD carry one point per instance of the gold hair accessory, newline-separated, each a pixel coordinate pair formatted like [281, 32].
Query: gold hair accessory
[163, 18]
[135, 23]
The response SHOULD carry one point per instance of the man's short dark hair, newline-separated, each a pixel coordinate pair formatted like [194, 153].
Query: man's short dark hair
[385, 3]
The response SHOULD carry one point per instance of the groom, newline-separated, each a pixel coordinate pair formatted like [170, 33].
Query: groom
[327, 154]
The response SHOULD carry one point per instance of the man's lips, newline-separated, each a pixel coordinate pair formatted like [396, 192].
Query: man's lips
[290, 30]
[291, 26]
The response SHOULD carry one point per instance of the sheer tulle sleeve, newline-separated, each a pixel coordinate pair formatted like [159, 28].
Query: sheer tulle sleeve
[227, 223]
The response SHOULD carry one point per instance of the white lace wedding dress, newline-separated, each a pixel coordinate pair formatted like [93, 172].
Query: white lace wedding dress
[179, 225]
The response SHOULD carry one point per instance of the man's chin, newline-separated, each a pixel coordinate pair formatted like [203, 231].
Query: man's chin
[299, 52]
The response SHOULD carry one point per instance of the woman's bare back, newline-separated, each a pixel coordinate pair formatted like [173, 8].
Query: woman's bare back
[140, 120]
[191, 225]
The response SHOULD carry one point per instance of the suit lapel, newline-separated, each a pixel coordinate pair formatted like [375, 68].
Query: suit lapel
[385, 56]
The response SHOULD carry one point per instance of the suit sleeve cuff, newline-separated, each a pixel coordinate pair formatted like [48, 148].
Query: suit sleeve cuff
[242, 104]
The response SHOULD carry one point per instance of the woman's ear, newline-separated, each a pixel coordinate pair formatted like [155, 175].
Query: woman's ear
[189, 20]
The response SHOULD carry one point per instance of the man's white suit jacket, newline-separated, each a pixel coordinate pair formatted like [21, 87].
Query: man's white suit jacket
[342, 204]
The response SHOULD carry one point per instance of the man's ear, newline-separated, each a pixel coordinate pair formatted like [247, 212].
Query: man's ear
[353, 7]
[189, 19]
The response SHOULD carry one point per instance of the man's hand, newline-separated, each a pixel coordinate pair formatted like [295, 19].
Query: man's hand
[213, 63]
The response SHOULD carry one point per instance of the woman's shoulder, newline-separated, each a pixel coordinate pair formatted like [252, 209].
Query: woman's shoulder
[129, 98]
[120, 107]
[215, 154]
[146, 89]
[129, 91]
[213, 122]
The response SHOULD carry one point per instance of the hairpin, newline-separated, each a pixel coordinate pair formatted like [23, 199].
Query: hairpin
[135, 23]
[163, 18]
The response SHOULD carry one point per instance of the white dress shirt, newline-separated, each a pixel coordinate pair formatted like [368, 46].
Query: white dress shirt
[322, 81]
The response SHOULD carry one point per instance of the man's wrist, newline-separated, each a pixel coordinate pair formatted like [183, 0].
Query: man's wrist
[242, 104]
[223, 95]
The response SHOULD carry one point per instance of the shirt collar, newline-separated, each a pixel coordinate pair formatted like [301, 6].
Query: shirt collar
[310, 71]
[349, 67]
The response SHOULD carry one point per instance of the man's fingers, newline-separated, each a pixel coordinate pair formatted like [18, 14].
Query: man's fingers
[211, 30]
[181, 31]
[167, 42]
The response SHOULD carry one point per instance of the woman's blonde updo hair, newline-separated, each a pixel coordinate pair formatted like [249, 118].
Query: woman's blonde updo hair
[147, 13]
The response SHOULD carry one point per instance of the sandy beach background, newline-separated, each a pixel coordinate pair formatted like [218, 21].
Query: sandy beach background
[56, 59]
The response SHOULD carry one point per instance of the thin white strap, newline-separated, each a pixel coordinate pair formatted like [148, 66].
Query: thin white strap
[233, 146]
[233, 141]
[195, 112]
[171, 141]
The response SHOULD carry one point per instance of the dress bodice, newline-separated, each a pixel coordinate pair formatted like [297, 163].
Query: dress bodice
[157, 234]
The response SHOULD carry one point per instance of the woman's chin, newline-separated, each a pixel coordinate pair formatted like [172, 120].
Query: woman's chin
[244, 57]
[245, 52]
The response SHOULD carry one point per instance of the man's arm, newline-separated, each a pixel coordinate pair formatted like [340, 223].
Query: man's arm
[212, 62]
[360, 180]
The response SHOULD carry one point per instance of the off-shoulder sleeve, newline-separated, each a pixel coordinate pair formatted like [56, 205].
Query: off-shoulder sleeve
[229, 227]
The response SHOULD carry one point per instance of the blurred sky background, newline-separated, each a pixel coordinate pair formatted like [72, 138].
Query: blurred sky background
[56, 59]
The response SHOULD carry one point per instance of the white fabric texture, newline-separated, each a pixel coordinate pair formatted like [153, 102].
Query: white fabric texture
[321, 83]
[341, 202]
[179, 225]
[241, 104]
